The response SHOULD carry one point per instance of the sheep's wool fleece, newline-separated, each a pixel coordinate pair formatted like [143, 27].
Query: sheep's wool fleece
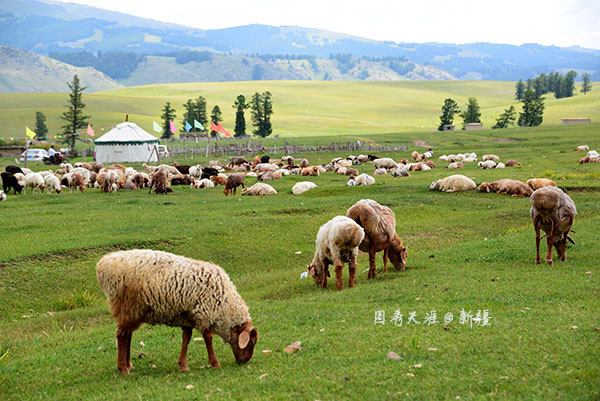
[566, 206]
[163, 288]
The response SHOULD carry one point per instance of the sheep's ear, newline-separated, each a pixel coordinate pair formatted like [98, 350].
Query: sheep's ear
[243, 339]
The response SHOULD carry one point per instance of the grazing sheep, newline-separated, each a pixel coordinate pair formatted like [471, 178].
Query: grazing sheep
[52, 183]
[537, 183]
[203, 183]
[146, 286]
[486, 164]
[455, 165]
[141, 180]
[259, 189]
[506, 186]
[553, 211]
[364, 179]
[581, 148]
[13, 169]
[218, 180]
[234, 181]
[2, 196]
[304, 163]
[10, 181]
[453, 183]
[85, 173]
[35, 180]
[158, 181]
[303, 186]
[379, 223]
[312, 171]
[490, 157]
[381, 171]
[337, 243]
[512, 163]
[77, 182]
[386, 163]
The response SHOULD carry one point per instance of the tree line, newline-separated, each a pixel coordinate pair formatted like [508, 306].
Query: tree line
[560, 85]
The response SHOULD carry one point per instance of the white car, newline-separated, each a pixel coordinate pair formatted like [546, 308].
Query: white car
[163, 152]
[34, 155]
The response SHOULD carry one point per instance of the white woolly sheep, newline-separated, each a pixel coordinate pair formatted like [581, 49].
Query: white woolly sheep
[486, 164]
[490, 157]
[581, 148]
[443, 158]
[2, 196]
[400, 172]
[385, 162]
[593, 153]
[500, 165]
[365, 179]
[456, 165]
[20, 179]
[380, 171]
[145, 286]
[195, 171]
[351, 182]
[52, 183]
[259, 189]
[469, 160]
[337, 243]
[303, 186]
[203, 183]
[34, 180]
[453, 183]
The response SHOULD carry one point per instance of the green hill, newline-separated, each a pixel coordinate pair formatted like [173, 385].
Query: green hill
[301, 108]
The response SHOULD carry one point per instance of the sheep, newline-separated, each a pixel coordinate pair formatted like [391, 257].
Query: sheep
[443, 158]
[418, 167]
[386, 163]
[146, 286]
[208, 172]
[304, 163]
[182, 168]
[490, 157]
[312, 171]
[416, 157]
[486, 164]
[500, 165]
[303, 186]
[265, 159]
[35, 180]
[13, 169]
[506, 186]
[581, 148]
[85, 173]
[364, 179]
[337, 243]
[341, 170]
[159, 182]
[586, 159]
[203, 183]
[380, 171]
[593, 153]
[379, 223]
[429, 164]
[195, 171]
[218, 180]
[251, 174]
[67, 167]
[20, 179]
[266, 176]
[234, 181]
[10, 181]
[52, 183]
[362, 158]
[453, 183]
[469, 160]
[537, 183]
[29, 171]
[77, 182]
[455, 165]
[372, 158]
[343, 163]
[512, 163]
[2, 196]
[553, 211]
[351, 182]
[428, 154]
[84, 165]
[400, 172]
[259, 189]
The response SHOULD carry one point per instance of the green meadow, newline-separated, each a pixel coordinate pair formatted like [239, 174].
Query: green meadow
[468, 252]
[301, 108]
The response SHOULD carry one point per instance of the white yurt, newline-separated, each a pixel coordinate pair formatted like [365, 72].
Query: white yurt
[126, 142]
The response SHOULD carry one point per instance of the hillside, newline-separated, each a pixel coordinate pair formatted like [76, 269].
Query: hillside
[301, 108]
[45, 26]
[25, 71]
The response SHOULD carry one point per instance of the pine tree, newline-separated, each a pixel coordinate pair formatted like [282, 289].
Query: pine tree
[216, 117]
[559, 86]
[569, 83]
[586, 86]
[240, 106]
[261, 108]
[472, 114]
[507, 118]
[200, 112]
[167, 116]
[188, 115]
[520, 88]
[533, 110]
[41, 131]
[449, 109]
[267, 128]
[74, 115]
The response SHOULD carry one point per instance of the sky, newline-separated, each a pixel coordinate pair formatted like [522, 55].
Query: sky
[548, 22]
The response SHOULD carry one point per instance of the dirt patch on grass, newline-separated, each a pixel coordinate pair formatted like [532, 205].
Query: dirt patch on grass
[421, 143]
[500, 140]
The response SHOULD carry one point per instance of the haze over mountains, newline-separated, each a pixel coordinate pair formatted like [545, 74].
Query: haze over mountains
[264, 52]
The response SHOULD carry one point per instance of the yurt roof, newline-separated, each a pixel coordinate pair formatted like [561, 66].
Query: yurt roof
[126, 134]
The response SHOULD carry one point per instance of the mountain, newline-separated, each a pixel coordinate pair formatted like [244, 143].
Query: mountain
[25, 71]
[47, 26]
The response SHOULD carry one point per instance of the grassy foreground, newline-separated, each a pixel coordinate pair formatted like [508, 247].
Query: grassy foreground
[301, 108]
[470, 251]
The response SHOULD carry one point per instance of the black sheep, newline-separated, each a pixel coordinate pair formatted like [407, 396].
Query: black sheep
[13, 169]
[265, 159]
[10, 181]
[208, 172]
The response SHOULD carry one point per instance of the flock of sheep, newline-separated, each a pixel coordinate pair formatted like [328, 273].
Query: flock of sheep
[146, 286]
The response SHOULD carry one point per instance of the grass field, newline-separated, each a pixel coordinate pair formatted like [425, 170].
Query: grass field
[472, 251]
[301, 108]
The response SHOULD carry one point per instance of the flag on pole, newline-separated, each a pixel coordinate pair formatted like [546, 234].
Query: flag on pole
[198, 125]
[227, 134]
[188, 127]
[213, 127]
[90, 130]
[172, 127]
[156, 127]
[220, 128]
[29, 133]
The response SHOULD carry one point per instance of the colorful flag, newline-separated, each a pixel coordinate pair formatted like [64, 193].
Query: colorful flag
[172, 127]
[220, 128]
[227, 133]
[188, 127]
[90, 130]
[29, 133]
[198, 125]
[213, 127]
[156, 127]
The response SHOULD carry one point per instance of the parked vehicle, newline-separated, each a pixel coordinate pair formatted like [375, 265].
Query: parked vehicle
[163, 152]
[34, 155]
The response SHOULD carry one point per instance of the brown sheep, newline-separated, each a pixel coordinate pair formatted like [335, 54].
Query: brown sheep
[233, 181]
[256, 161]
[311, 171]
[537, 183]
[97, 166]
[77, 182]
[512, 163]
[506, 186]
[140, 180]
[266, 176]
[379, 223]
[416, 157]
[429, 163]
[218, 180]
[588, 159]
[304, 163]
[553, 211]
[159, 183]
[351, 171]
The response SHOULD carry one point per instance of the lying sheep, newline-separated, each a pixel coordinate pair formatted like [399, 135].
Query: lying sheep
[2, 196]
[234, 181]
[203, 183]
[304, 163]
[400, 172]
[386, 163]
[581, 148]
[537, 183]
[455, 165]
[586, 159]
[490, 157]
[379, 223]
[593, 153]
[303, 186]
[312, 171]
[218, 180]
[145, 286]
[416, 157]
[195, 171]
[259, 189]
[500, 165]
[266, 176]
[337, 243]
[364, 179]
[381, 171]
[553, 211]
[486, 164]
[506, 186]
[453, 183]
[512, 163]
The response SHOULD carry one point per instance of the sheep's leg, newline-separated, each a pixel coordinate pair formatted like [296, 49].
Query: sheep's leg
[352, 270]
[550, 241]
[339, 268]
[128, 353]
[372, 270]
[212, 358]
[385, 259]
[536, 225]
[185, 340]
[123, 341]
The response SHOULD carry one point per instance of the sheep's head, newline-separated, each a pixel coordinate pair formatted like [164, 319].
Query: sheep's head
[434, 185]
[484, 187]
[398, 255]
[316, 271]
[242, 339]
